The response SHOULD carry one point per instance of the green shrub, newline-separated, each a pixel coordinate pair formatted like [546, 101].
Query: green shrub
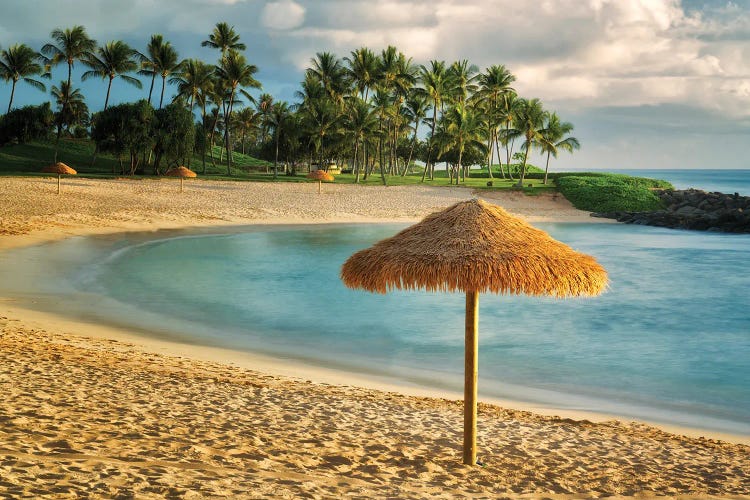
[597, 192]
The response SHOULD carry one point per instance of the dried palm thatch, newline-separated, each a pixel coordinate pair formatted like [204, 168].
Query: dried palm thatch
[181, 172]
[320, 176]
[59, 168]
[479, 247]
[474, 247]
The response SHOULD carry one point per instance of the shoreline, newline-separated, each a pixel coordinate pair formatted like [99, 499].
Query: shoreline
[369, 435]
[304, 370]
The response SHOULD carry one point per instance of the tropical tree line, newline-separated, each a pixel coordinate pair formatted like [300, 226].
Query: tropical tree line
[375, 112]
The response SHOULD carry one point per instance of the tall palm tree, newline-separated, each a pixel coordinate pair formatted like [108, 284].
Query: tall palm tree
[462, 76]
[233, 74]
[330, 71]
[19, 62]
[528, 118]
[224, 38]
[553, 139]
[246, 122]
[264, 105]
[70, 45]
[192, 78]
[416, 111]
[462, 129]
[148, 59]
[435, 87]
[361, 122]
[362, 70]
[160, 59]
[509, 101]
[494, 83]
[71, 108]
[322, 119]
[114, 59]
[278, 118]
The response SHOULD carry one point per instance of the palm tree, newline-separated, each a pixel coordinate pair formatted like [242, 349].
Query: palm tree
[528, 118]
[278, 118]
[462, 76]
[233, 74]
[19, 62]
[72, 45]
[246, 122]
[416, 111]
[161, 59]
[362, 70]
[322, 120]
[193, 77]
[72, 108]
[223, 38]
[329, 70]
[509, 101]
[462, 129]
[361, 122]
[435, 87]
[494, 83]
[116, 58]
[264, 105]
[553, 139]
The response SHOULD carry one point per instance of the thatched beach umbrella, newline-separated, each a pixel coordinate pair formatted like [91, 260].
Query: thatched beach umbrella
[320, 175]
[181, 172]
[59, 168]
[474, 247]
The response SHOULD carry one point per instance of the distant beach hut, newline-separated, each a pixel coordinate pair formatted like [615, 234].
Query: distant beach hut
[60, 169]
[181, 172]
[320, 176]
[474, 247]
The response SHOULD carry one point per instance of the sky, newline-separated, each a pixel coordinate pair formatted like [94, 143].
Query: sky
[647, 83]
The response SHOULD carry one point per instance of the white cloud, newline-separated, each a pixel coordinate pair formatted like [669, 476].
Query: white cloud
[283, 15]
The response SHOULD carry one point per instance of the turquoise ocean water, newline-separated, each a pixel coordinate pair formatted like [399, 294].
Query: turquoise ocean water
[669, 341]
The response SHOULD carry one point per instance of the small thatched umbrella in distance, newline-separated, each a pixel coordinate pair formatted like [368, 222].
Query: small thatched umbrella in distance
[181, 172]
[320, 175]
[59, 168]
[474, 247]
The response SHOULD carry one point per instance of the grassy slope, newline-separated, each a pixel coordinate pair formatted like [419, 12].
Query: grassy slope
[611, 192]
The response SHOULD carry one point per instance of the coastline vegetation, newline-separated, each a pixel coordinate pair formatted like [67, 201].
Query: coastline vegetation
[362, 112]
[360, 116]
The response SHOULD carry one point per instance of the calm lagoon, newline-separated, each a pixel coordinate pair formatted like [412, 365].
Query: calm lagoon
[668, 342]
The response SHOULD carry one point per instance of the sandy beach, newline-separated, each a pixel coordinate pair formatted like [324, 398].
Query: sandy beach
[93, 412]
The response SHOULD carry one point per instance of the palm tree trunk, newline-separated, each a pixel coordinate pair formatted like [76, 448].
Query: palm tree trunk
[151, 89]
[109, 88]
[276, 158]
[489, 154]
[163, 84]
[546, 169]
[355, 164]
[12, 93]
[70, 71]
[523, 166]
[428, 165]
[57, 140]
[411, 150]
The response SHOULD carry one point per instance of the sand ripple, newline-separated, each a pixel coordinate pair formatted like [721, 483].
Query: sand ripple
[88, 417]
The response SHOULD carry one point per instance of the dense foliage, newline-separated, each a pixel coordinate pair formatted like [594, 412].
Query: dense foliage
[371, 112]
[26, 124]
[610, 192]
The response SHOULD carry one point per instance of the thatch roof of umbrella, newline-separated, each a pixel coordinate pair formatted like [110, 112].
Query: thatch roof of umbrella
[181, 172]
[320, 175]
[474, 247]
[59, 168]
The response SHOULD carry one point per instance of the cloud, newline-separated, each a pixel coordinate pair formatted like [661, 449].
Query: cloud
[283, 15]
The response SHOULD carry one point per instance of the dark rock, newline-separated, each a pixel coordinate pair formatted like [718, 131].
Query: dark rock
[693, 209]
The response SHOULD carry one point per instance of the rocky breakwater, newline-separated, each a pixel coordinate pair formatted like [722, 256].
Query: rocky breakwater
[693, 209]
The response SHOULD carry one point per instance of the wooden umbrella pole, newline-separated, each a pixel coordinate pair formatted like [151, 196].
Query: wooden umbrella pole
[181, 179]
[58, 183]
[470, 378]
[319, 183]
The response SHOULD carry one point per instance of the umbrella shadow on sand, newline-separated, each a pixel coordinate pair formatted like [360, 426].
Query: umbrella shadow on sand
[474, 247]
